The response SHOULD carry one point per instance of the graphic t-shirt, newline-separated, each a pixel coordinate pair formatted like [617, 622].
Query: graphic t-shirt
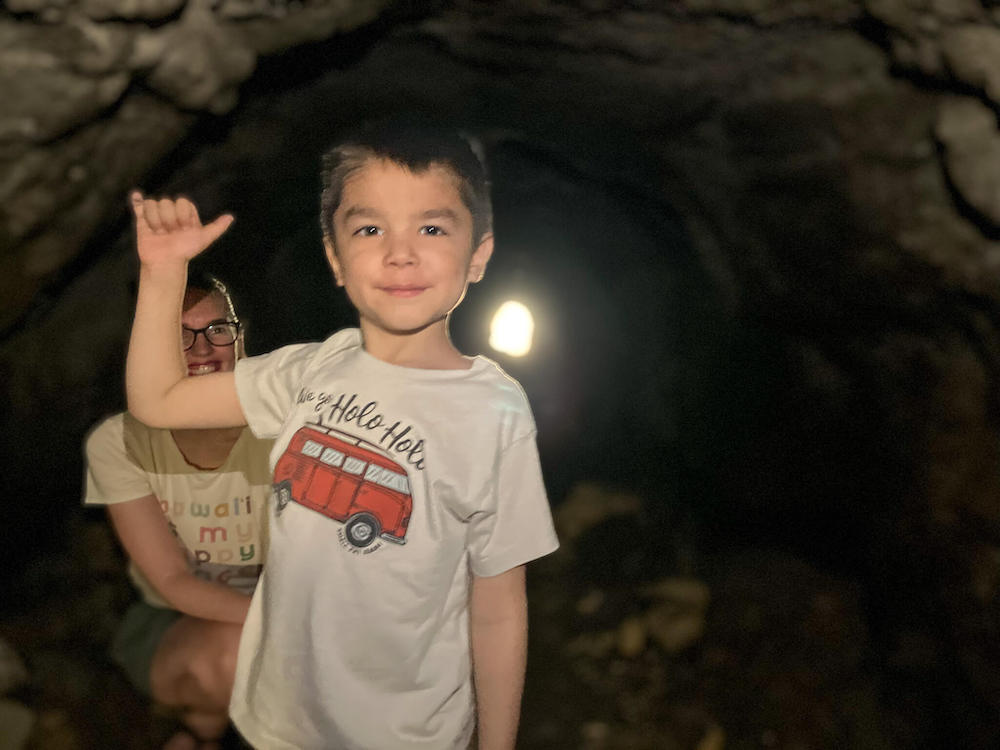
[218, 515]
[391, 486]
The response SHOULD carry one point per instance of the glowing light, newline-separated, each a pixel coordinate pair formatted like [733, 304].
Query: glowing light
[511, 329]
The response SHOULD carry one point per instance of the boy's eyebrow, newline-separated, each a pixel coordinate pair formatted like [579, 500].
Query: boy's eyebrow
[362, 211]
[366, 212]
[440, 213]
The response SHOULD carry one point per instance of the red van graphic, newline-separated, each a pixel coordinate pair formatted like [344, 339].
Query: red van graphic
[348, 480]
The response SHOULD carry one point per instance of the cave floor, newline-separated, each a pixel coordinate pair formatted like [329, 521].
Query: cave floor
[66, 613]
[585, 690]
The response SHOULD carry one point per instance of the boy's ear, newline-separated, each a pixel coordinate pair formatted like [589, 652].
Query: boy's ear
[480, 257]
[331, 258]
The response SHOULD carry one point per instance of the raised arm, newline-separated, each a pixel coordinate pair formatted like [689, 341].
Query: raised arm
[146, 537]
[168, 234]
[498, 620]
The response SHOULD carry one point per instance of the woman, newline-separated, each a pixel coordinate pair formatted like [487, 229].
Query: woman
[189, 509]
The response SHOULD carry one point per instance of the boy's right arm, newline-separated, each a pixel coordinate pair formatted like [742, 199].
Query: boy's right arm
[168, 234]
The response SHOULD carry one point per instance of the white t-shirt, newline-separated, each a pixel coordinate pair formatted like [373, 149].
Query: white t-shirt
[392, 484]
[218, 515]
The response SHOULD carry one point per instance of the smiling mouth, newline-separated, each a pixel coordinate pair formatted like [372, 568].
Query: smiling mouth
[403, 291]
[203, 369]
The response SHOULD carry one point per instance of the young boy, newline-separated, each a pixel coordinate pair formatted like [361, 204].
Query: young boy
[408, 494]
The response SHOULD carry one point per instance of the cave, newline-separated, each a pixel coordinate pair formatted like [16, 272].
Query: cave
[761, 240]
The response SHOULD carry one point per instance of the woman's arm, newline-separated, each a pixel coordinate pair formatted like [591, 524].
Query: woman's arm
[168, 234]
[146, 537]
[498, 620]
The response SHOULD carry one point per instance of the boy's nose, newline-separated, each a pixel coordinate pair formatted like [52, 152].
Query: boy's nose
[399, 252]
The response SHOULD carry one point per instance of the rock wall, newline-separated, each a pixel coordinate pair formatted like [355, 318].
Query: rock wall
[97, 91]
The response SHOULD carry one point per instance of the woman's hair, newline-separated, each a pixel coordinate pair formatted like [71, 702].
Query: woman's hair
[203, 281]
[209, 283]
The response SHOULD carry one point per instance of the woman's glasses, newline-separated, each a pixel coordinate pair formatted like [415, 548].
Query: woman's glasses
[222, 333]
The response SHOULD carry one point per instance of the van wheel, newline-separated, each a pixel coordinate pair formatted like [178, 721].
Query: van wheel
[362, 529]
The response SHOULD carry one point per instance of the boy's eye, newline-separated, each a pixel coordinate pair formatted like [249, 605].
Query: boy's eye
[433, 230]
[368, 231]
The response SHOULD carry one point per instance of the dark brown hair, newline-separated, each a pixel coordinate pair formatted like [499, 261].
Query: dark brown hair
[416, 145]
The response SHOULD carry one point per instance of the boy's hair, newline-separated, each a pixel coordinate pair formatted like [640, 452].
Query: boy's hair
[416, 145]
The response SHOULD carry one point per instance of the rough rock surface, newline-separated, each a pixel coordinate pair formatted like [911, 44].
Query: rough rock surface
[123, 79]
[967, 129]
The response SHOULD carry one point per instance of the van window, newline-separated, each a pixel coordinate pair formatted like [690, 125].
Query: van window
[311, 448]
[332, 457]
[354, 465]
[387, 478]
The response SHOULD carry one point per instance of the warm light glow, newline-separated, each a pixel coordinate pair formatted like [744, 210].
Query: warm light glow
[511, 329]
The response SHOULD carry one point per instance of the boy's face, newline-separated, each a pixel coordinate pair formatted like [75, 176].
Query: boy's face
[403, 246]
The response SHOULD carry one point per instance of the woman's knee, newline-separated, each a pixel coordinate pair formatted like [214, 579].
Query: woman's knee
[206, 726]
[229, 646]
[196, 664]
[214, 668]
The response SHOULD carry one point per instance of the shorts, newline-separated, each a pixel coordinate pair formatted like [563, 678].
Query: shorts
[137, 639]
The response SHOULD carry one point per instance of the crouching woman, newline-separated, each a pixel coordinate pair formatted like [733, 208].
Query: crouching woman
[189, 509]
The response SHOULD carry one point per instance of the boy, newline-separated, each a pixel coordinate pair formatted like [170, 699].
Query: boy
[408, 495]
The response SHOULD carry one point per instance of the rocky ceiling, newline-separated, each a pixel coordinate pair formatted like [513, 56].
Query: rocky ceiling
[818, 182]
[97, 92]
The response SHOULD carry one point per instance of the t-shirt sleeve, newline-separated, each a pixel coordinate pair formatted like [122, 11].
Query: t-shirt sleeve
[112, 474]
[515, 527]
[267, 386]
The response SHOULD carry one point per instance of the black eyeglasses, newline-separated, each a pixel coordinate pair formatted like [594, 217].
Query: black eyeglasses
[220, 333]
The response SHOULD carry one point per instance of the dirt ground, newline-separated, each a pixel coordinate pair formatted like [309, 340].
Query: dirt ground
[758, 650]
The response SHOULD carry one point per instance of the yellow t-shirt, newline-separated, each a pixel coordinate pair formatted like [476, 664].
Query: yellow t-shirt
[218, 515]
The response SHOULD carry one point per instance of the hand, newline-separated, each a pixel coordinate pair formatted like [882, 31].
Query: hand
[170, 230]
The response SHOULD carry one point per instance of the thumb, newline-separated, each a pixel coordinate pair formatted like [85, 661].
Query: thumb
[216, 228]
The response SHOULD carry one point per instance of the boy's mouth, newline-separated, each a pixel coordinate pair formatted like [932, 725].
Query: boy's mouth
[403, 290]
